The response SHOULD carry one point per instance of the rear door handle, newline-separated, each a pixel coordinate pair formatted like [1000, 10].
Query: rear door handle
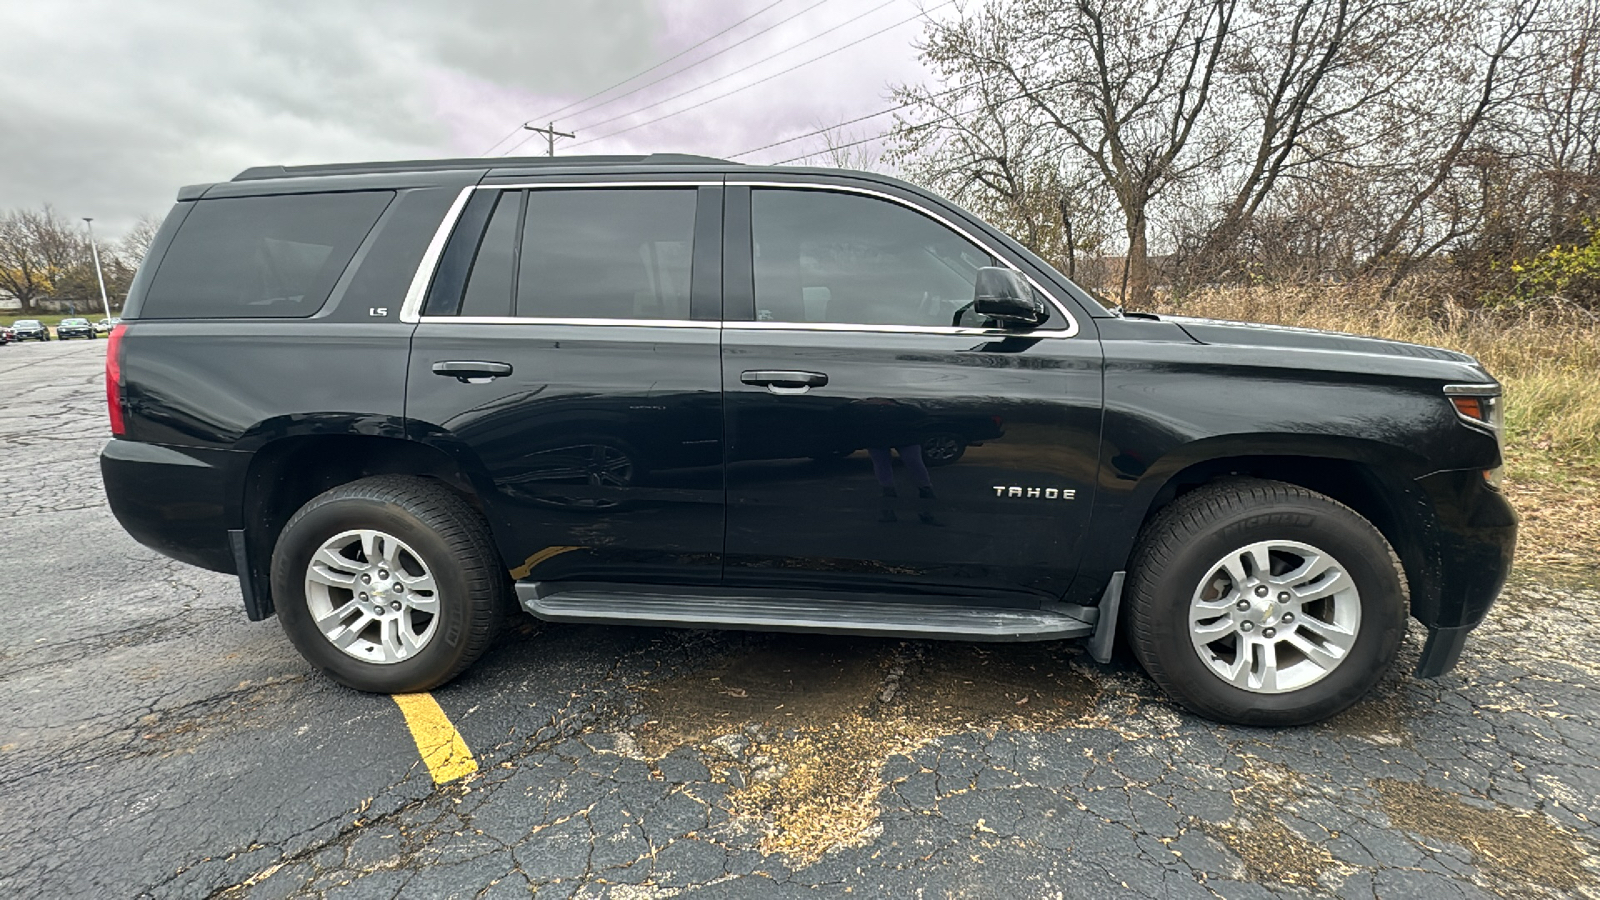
[784, 382]
[472, 371]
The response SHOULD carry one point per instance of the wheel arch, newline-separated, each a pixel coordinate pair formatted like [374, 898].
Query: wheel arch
[1373, 479]
[286, 473]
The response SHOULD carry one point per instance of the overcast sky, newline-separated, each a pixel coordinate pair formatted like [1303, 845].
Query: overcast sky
[106, 108]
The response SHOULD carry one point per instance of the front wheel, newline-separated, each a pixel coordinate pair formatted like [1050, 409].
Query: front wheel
[943, 449]
[389, 584]
[1263, 603]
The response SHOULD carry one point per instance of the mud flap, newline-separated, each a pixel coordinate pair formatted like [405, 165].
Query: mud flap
[1443, 649]
[252, 586]
[1104, 638]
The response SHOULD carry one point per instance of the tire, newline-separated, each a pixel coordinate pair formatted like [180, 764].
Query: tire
[1187, 629]
[943, 449]
[439, 534]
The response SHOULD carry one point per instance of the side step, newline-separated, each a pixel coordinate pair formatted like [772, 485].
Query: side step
[748, 611]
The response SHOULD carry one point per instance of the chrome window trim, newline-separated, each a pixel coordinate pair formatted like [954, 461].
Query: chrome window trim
[410, 308]
[1072, 323]
[558, 185]
[558, 320]
[891, 329]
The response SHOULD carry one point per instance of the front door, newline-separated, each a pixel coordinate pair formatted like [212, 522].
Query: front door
[880, 438]
[567, 357]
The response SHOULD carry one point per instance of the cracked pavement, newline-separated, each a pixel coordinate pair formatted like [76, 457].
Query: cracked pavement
[155, 743]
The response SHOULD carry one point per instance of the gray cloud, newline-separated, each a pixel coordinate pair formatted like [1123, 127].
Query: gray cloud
[107, 107]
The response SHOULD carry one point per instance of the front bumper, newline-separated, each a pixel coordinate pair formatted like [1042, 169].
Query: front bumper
[1474, 538]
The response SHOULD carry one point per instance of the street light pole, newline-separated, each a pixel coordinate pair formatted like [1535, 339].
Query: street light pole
[93, 248]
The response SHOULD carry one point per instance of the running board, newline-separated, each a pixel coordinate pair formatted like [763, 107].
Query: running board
[873, 617]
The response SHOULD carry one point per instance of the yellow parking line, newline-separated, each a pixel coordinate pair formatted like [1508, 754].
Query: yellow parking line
[443, 750]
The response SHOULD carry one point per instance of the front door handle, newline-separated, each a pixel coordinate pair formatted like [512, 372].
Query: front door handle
[784, 382]
[472, 371]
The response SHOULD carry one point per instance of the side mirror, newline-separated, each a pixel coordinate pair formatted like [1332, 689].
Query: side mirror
[1006, 296]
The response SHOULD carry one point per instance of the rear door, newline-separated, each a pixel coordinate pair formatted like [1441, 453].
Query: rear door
[880, 437]
[567, 355]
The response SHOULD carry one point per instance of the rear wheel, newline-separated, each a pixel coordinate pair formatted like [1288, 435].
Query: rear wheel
[389, 584]
[1262, 603]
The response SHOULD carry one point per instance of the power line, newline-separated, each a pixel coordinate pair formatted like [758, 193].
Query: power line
[898, 107]
[742, 69]
[680, 53]
[759, 81]
[948, 116]
[801, 137]
[742, 41]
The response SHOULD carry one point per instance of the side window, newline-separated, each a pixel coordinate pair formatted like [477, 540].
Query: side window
[609, 253]
[261, 257]
[829, 257]
[494, 268]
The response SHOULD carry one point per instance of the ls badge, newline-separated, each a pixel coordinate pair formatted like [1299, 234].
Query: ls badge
[1033, 493]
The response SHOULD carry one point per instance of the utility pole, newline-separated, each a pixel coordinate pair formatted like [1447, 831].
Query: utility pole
[550, 134]
[95, 249]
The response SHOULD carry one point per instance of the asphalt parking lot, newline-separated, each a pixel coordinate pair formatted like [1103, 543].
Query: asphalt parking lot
[155, 743]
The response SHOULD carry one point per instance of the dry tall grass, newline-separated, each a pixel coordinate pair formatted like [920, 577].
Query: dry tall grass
[1548, 360]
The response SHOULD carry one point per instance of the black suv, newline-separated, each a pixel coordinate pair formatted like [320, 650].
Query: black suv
[399, 399]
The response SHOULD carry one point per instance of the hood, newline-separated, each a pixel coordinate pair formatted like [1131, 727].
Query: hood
[1249, 334]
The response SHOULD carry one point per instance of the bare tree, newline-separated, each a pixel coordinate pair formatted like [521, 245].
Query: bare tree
[1000, 161]
[1303, 86]
[1489, 66]
[38, 252]
[1121, 86]
[135, 245]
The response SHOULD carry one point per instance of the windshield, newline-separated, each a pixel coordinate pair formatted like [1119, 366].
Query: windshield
[28, 323]
[74, 321]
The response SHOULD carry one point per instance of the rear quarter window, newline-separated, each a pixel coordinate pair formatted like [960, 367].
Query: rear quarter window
[261, 257]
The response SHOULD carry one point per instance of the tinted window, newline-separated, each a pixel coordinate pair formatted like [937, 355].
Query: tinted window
[494, 268]
[848, 259]
[607, 253]
[252, 257]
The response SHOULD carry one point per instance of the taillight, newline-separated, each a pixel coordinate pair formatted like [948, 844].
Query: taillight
[114, 379]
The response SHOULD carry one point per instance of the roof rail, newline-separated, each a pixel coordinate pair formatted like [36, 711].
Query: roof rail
[259, 173]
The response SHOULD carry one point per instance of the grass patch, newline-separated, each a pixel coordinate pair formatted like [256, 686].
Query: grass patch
[51, 320]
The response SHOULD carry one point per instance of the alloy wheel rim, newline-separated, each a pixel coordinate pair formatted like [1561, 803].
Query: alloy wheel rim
[940, 448]
[372, 596]
[1275, 616]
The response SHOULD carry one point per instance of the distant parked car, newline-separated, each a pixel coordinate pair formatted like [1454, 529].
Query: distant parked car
[71, 328]
[7, 335]
[104, 326]
[31, 330]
